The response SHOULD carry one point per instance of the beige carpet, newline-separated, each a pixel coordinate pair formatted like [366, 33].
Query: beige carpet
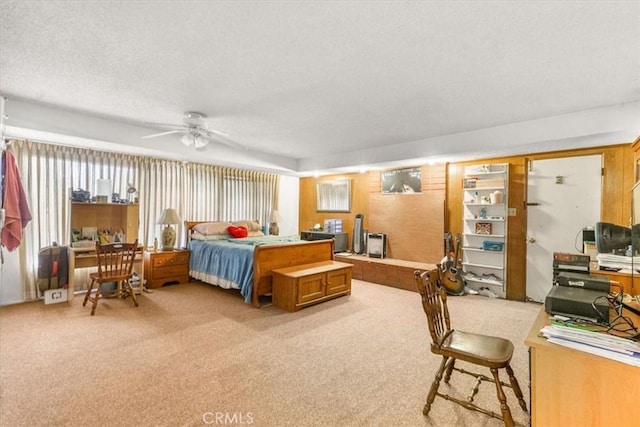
[194, 354]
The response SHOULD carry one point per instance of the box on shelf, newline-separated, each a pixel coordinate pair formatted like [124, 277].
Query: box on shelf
[469, 182]
[84, 244]
[483, 228]
[489, 245]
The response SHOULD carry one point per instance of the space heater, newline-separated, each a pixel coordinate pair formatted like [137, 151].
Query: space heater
[377, 245]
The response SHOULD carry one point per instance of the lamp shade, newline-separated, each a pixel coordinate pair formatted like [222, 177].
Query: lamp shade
[169, 216]
[275, 217]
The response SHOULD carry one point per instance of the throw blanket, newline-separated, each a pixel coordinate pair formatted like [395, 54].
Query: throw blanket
[228, 263]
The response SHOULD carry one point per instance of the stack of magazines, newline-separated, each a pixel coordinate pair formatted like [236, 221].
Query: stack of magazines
[598, 343]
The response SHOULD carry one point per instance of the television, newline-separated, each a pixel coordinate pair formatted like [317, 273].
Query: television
[612, 238]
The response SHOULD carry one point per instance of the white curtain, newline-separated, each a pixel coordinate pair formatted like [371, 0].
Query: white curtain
[198, 192]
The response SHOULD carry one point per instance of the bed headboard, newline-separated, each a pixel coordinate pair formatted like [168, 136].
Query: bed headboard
[189, 225]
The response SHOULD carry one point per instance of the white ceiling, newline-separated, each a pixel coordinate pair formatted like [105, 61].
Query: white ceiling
[317, 85]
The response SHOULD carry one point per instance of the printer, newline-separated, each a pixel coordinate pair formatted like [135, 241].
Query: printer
[579, 295]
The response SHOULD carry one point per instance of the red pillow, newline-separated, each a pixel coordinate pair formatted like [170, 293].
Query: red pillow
[238, 231]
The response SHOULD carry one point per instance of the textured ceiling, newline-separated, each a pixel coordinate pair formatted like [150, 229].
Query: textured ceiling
[308, 81]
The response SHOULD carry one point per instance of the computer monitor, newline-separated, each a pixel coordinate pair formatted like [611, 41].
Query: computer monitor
[612, 238]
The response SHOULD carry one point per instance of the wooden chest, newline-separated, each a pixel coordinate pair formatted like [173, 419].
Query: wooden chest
[303, 285]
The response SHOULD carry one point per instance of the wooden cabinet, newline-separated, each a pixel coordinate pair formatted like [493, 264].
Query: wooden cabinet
[164, 267]
[303, 285]
[109, 217]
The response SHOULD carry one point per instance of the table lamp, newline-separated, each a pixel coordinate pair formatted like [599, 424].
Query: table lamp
[274, 230]
[168, 218]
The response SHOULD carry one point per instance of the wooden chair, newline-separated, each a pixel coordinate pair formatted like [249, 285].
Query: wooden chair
[115, 264]
[481, 350]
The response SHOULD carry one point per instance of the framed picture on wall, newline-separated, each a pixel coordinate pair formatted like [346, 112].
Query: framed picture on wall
[401, 181]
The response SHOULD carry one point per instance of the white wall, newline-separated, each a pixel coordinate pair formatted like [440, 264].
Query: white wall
[10, 289]
[288, 205]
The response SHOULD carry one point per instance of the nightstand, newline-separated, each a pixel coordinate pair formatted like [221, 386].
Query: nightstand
[162, 267]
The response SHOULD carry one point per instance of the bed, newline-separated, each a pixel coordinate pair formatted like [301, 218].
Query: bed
[246, 263]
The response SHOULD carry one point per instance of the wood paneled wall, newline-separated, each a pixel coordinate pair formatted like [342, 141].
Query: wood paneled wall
[415, 223]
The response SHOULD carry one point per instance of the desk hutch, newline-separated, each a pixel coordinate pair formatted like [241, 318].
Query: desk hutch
[113, 217]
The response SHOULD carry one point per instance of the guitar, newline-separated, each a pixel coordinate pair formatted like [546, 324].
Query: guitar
[451, 274]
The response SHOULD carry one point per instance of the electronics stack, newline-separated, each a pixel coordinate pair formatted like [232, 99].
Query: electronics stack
[579, 295]
[569, 263]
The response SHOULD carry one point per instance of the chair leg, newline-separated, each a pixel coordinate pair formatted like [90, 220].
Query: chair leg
[96, 298]
[450, 366]
[434, 386]
[516, 388]
[129, 288]
[88, 294]
[506, 412]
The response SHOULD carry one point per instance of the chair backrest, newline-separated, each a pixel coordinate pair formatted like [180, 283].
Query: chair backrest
[434, 303]
[116, 259]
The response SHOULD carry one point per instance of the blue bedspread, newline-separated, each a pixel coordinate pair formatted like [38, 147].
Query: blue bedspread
[229, 263]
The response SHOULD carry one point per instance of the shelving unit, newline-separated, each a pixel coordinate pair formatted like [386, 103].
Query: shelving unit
[112, 217]
[484, 230]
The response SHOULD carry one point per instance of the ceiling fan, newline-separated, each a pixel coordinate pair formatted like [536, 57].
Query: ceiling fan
[195, 132]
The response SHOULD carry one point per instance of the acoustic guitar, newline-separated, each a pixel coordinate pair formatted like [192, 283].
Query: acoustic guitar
[451, 274]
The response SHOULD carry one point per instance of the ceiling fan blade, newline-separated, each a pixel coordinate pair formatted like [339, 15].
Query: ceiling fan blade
[219, 137]
[217, 132]
[161, 134]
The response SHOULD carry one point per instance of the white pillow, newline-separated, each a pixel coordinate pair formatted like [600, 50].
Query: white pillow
[200, 236]
[248, 224]
[212, 228]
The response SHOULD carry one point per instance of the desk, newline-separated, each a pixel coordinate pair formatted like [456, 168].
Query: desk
[573, 388]
[625, 279]
[86, 258]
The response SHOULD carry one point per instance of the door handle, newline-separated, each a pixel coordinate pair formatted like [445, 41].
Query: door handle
[533, 204]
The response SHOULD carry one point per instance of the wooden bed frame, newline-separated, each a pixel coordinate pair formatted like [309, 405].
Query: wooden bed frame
[267, 258]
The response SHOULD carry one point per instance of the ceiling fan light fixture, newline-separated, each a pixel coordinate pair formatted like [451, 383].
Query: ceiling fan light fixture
[188, 139]
[200, 141]
[194, 131]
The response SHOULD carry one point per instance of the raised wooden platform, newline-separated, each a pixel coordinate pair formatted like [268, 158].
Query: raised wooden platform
[385, 271]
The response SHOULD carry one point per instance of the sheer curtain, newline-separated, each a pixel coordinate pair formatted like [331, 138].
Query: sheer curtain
[198, 192]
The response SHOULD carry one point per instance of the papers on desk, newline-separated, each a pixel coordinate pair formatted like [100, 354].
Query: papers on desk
[598, 343]
[618, 262]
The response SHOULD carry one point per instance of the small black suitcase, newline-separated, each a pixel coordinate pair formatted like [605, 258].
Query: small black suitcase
[53, 267]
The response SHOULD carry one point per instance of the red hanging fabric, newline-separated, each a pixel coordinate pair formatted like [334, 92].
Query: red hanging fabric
[17, 214]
